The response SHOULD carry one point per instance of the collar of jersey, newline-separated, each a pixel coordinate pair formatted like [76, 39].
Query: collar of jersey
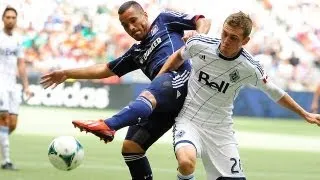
[228, 58]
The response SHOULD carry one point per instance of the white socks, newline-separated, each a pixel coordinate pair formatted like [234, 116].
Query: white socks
[4, 144]
[188, 177]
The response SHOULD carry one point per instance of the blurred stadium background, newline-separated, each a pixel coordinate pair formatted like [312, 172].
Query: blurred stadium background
[61, 34]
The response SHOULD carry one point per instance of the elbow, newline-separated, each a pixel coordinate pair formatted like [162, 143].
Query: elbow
[208, 23]
[204, 25]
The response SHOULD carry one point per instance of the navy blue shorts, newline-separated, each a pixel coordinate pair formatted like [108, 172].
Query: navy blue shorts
[170, 90]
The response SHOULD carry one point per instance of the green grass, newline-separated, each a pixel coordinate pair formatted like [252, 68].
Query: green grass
[29, 152]
[42, 117]
[279, 126]
[38, 126]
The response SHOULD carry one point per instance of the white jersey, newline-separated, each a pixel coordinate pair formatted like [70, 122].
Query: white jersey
[216, 80]
[10, 52]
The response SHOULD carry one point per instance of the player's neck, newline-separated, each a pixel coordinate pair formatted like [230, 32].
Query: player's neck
[229, 55]
[7, 31]
[226, 56]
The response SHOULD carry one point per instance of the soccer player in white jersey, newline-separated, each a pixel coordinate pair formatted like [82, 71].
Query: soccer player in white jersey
[204, 126]
[11, 60]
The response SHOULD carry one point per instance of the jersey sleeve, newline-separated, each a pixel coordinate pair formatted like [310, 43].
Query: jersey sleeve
[196, 45]
[123, 64]
[20, 51]
[261, 81]
[177, 21]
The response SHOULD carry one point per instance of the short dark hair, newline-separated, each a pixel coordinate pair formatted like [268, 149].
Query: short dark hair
[241, 20]
[9, 8]
[125, 6]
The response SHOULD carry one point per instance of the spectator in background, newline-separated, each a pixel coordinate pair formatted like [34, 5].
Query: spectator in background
[282, 26]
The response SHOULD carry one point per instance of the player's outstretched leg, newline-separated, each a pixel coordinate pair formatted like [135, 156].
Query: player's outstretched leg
[132, 114]
[98, 128]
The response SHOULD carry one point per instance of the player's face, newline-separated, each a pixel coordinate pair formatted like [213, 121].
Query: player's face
[135, 23]
[232, 40]
[9, 20]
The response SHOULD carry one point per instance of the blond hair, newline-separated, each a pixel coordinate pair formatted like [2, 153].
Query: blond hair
[241, 20]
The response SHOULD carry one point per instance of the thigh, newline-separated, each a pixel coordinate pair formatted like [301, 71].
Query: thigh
[14, 102]
[148, 132]
[13, 119]
[186, 134]
[169, 90]
[222, 162]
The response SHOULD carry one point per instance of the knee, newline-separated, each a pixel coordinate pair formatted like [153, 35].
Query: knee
[186, 165]
[12, 127]
[12, 123]
[186, 156]
[131, 147]
[150, 97]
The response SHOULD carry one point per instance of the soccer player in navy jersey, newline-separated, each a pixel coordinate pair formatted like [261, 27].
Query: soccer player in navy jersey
[152, 113]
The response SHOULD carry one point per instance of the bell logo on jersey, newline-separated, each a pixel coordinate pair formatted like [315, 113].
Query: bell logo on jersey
[204, 78]
[8, 52]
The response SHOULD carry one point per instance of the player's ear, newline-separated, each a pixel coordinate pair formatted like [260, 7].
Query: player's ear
[145, 14]
[245, 40]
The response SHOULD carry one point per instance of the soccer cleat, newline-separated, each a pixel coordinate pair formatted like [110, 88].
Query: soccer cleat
[8, 166]
[98, 128]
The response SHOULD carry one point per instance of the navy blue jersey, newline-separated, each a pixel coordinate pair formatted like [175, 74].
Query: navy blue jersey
[163, 39]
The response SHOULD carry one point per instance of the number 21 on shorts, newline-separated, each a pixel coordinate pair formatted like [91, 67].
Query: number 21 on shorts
[236, 166]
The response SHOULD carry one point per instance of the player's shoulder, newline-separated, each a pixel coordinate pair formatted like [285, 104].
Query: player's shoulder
[248, 57]
[1, 32]
[203, 39]
[171, 13]
[251, 61]
[17, 37]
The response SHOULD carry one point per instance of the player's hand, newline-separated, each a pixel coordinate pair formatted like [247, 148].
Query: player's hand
[314, 107]
[313, 118]
[54, 78]
[28, 94]
[188, 35]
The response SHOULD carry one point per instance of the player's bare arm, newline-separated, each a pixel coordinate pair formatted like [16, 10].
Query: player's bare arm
[288, 102]
[23, 76]
[174, 62]
[203, 26]
[97, 71]
[315, 100]
[282, 98]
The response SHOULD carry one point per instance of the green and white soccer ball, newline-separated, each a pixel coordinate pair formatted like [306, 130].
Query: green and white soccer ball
[65, 153]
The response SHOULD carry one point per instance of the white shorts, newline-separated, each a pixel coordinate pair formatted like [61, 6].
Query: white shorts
[217, 148]
[10, 101]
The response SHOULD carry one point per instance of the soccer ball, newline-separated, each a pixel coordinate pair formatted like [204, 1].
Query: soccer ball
[65, 153]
